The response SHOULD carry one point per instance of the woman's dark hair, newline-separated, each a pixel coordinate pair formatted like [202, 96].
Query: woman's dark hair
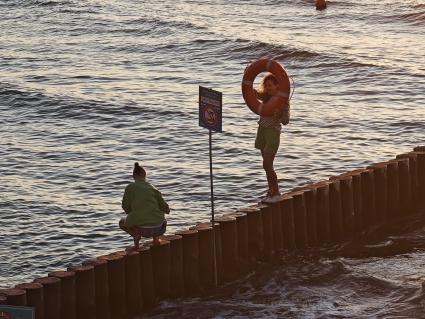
[261, 91]
[139, 170]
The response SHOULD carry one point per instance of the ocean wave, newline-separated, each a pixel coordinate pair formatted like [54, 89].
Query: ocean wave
[265, 49]
[250, 50]
[36, 3]
[415, 18]
[230, 48]
[156, 22]
[419, 6]
[243, 50]
[46, 106]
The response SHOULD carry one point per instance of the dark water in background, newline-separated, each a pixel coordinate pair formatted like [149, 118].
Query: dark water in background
[88, 87]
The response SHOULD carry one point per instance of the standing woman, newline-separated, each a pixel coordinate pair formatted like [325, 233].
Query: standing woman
[145, 209]
[268, 134]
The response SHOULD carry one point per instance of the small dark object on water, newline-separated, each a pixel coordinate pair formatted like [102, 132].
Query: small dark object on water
[321, 4]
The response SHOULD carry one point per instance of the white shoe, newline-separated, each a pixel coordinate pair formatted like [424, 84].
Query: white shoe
[272, 199]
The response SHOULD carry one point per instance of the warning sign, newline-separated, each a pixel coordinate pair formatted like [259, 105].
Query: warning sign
[210, 109]
[12, 312]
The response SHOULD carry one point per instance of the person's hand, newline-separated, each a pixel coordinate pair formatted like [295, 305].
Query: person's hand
[286, 115]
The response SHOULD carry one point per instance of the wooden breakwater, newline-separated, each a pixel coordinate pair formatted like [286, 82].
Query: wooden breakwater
[128, 284]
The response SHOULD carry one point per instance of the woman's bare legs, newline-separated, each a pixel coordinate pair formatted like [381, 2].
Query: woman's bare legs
[133, 232]
[268, 159]
[136, 240]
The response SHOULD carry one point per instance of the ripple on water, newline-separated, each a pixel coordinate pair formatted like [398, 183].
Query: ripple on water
[116, 82]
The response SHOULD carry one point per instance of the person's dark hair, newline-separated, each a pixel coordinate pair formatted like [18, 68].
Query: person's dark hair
[139, 170]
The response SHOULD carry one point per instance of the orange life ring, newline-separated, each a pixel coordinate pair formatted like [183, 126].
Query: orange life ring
[251, 72]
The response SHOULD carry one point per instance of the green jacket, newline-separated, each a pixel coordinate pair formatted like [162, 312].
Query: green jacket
[144, 204]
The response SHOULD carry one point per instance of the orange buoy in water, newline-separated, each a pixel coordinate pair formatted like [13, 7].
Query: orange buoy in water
[248, 92]
[321, 4]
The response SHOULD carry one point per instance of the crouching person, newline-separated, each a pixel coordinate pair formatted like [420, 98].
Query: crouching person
[145, 209]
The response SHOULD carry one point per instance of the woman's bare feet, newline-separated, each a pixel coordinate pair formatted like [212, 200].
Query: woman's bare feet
[156, 240]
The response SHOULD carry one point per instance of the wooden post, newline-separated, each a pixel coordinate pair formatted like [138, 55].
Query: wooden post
[335, 211]
[101, 288]
[52, 297]
[206, 254]
[347, 202]
[288, 224]
[68, 297]
[255, 232]
[242, 230]
[357, 202]
[311, 215]
[161, 261]
[277, 227]
[267, 221]
[404, 186]
[368, 198]
[300, 220]
[116, 282]
[14, 296]
[85, 285]
[421, 177]
[413, 169]
[35, 297]
[381, 191]
[229, 245]
[393, 189]
[146, 278]
[190, 261]
[134, 300]
[323, 212]
[176, 264]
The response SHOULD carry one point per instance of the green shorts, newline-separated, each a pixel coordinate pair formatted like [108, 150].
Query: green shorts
[268, 139]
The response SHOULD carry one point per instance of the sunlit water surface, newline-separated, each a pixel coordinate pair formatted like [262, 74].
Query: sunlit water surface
[89, 87]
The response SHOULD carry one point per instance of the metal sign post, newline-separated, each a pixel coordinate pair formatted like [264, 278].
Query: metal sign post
[210, 117]
[212, 212]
